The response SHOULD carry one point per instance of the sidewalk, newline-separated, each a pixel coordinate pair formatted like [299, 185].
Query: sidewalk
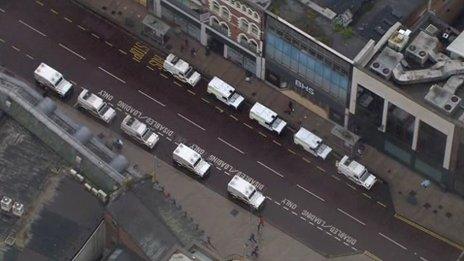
[227, 225]
[432, 208]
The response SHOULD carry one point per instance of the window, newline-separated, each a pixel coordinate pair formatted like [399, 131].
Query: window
[213, 20]
[215, 6]
[225, 13]
[256, 16]
[242, 38]
[254, 29]
[225, 27]
[243, 24]
[253, 44]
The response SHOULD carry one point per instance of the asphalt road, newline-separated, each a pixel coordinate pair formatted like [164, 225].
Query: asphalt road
[306, 197]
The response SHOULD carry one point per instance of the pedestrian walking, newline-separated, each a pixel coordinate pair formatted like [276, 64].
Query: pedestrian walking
[252, 238]
[193, 52]
[255, 251]
[260, 224]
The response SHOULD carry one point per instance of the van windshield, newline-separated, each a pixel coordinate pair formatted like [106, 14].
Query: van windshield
[58, 81]
[189, 72]
[252, 193]
[175, 60]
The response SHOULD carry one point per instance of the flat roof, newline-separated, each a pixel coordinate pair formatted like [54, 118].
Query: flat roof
[457, 46]
[430, 39]
[370, 20]
[264, 112]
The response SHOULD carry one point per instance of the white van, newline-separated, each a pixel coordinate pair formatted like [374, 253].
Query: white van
[267, 118]
[51, 78]
[181, 70]
[243, 190]
[224, 92]
[190, 159]
[311, 143]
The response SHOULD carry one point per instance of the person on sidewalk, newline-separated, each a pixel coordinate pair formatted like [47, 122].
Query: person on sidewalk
[193, 52]
[260, 224]
[252, 238]
[255, 251]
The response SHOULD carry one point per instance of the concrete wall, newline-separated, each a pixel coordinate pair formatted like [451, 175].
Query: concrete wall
[95, 245]
[97, 171]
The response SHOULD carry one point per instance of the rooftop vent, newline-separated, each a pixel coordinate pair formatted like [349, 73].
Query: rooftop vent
[6, 203]
[419, 50]
[18, 209]
[431, 30]
[399, 40]
[385, 62]
[443, 99]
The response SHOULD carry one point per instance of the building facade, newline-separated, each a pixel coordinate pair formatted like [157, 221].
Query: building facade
[297, 61]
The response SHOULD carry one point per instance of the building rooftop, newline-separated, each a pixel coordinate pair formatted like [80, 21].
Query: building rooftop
[415, 61]
[52, 227]
[345, 25]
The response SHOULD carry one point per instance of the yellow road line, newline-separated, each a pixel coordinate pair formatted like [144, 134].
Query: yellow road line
[54, 11]
[431, 233]
[39, 3]
[163, 75]
[372, 256]
[67, 19]
[291, 151]
[307, 160]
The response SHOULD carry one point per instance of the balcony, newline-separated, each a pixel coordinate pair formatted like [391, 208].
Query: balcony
[249, 46]
[221, 29]
[192, 7]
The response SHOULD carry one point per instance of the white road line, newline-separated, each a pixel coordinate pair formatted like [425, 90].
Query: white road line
[74, 83]
[205, 100]
[354, 248]
[346, 244]
[94, 35]
[305, 159]
[191, 92]
[187, 119]
[335, 177]
[81, 27]
[219, 109]
[291, 151]
[169, 139]
[54, 11]
[249, 126]
[286, 208]
[218, 168]
[71, 51]
[119, 109]
[424, 259]
[148, 67]
[178, 84]
[367, 196]
[230, 145]
[351, 186]
[269, 198]
[337, 238]
[108, 43]
[39, 3]
[15, 48]
[321, 169]
[32, 28]
[233, 117]
[30, 57]
[1, 40]
[355, 219]
[304, 219]
[275, 172]
[1, 10]
[278, 203]
[112, 75]
[310, 193]
[393, 241]
[380, 203]
[67, 19]
[311, 223]
[163, 75]
[277, 142]
[262, 134]
[320, 229]
[151, 98]
[294, 213]
[122, 51]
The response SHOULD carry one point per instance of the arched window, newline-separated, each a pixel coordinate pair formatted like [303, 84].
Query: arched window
[256, 16]
[242, 38]
[213, 20]
[225, 27]
[254, 45]
[225, 13]
[243, 24]
[215, 6]
[254, 30]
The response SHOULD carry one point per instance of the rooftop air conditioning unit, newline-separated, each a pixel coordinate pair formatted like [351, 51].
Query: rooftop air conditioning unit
[443, 99]
[6, 203]
[399, 40]
[18, 209]
[385, 62]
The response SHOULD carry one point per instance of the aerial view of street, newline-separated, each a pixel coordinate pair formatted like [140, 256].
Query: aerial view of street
[232, 130]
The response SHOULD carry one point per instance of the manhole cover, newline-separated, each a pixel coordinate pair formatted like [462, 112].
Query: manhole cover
[234, 212]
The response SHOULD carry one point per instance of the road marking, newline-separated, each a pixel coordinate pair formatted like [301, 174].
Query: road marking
[30, 57]
[67, 19]
[320, 228]
[351, 186]
[262, 134]
[71, 51]
[354, 248]
[150, 68]
[1, 40]
[304, 219]
[94, 35]
[32, 28]
[187, 119]
[431, 233]
[335, 177]
[233, 117]
[307, 160]
[1, 10]
[191, 92]
[321, 169]
[53, 11]
[112, 75]
[205, 100]
[286, 208]
[109, 44]
[367, 196]
[117, 108]
[151, 98]
[424, 259]
[294, 213]
[277, 142]
[81, 27]
[218, 168]
[73, 82]
[169, 139]
[219, 109]
[346, 244]
[178, 84]
[277, 203]
[355, 219]
[311, 193]
[15, 48]
[372, 256]
[393, 241]
[230, 145]
[269, 198]
[380, 203]
[163, 75]
[291, 151]
[39, 3]
[248, 125]
[337, 238]
[122, 51]
[275, 172]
